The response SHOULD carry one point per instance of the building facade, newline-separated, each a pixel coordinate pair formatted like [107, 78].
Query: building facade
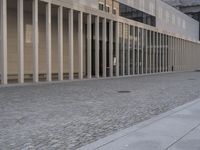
[191, 8]
[56, 40]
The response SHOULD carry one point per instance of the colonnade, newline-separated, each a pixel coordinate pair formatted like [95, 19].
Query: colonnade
[120, 48]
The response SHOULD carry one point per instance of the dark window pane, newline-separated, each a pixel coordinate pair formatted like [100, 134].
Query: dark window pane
[137, 15]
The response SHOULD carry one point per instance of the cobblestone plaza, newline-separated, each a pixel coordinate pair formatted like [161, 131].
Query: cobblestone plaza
[72, 114]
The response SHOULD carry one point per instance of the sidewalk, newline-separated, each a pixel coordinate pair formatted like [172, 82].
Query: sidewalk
[178, 129]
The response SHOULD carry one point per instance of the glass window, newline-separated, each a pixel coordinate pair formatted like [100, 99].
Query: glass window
[107, 8]
[137, 15]
[114, 11]
[101, 6]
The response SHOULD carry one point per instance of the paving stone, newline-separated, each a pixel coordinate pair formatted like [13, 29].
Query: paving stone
[72, 114]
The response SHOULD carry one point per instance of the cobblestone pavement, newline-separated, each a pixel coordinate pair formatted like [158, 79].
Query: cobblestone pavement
[72, 114]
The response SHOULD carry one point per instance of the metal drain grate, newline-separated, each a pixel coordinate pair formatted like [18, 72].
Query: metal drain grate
[124, 91]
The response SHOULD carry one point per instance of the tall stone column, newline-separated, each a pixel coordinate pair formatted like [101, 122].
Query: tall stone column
[117, 48]
[146, 43]
[160, 59]
[153, 51]
[3, 49]
[48, 41]
[97, 46]
[142, 50]
[123, 50]
[129, 59]
[157, 60]
[60, 43]
[89, 44]
[150, 50]
[111, 47]
[104, 47]
[138, 52]
[71, 44]
[20, 29]
[35, 41]
[80, 45]
[133, 50]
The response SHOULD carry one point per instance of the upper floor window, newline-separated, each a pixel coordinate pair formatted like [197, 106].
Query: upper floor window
[101, 6]
[107, 8]
[137, 15]
[114, 11]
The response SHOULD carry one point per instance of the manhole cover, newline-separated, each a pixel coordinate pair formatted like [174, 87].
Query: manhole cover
[124, 91]
[192, 79]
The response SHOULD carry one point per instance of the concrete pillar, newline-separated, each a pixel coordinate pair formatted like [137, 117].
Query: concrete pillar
[157, 51]
[111, 47]
[97, 46]
[20, 26]
[166, 55]
[153, 51]
[71, 45]
[170, 55]
[175, 54]
[80, 44]
[133, 50]
[104, 47]
[129, 50]
[186, 52]
[146, 52]
[138, 54]
[150, 51]
[172, 52]
[164, 50]
[181, 56]
[48, 40]
[60, 43]
[163, 54]
[3, 49]
[168, 64]
[184, 61]
[183, 50]
[172, 59]
[181, 63]
[117, 48]
[160, 52]
[174, 43]
[35, 41]
[142, 50]
[124, 65]
[89, 44]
